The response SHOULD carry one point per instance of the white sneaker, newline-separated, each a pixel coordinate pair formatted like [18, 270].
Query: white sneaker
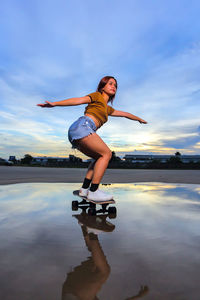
[83, 192]
[99, 196]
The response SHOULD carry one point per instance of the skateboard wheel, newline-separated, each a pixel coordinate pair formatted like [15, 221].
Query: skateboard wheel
[112, 210]
[91, 212]
[74, 205]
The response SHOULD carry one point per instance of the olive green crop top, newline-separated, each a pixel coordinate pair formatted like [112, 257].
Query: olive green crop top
[98, 108]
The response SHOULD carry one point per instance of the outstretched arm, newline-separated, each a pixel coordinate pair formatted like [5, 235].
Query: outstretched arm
[67, 102]
[118, 113]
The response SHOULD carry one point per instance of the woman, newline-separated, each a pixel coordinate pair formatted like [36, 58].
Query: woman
[82, 133]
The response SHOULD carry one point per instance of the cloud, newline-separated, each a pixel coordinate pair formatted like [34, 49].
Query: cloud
[165, 100]
[182, 143]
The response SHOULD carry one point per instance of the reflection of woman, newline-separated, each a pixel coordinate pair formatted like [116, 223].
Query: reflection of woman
[85, 281]
[82, 133]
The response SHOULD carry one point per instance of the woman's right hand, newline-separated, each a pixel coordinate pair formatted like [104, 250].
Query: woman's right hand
[46, 104]
[142, 121]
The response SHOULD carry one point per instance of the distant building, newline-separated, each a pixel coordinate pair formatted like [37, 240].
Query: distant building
[12, 158]
[5, 162]
[44, 160]
[189, 158]
[145, 158]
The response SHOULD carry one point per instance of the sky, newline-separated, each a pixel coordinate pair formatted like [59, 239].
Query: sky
[58, 49]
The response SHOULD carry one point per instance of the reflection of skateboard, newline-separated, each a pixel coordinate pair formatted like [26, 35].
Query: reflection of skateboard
[94, 224]
[91, 205]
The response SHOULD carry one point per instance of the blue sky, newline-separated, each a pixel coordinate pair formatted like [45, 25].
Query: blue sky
[56, 49]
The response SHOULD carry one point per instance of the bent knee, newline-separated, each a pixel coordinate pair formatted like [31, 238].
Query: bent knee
[108, 154]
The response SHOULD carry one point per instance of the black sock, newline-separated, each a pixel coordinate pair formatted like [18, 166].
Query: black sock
[94, 187]
[86, 183]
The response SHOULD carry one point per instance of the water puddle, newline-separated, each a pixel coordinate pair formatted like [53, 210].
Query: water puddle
[149, 249]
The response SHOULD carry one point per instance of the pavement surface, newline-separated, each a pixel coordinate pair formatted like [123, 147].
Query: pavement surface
[14, 174]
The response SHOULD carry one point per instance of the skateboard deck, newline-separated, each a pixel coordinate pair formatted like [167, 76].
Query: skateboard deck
[112, 201]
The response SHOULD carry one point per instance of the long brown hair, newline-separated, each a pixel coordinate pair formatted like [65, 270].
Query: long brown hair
[102, 83]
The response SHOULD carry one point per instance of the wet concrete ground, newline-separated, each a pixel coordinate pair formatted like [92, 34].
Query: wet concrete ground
[149, 250]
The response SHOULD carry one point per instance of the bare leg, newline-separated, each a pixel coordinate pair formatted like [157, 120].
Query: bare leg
[100, 167]
[95, 147]
[90, 170]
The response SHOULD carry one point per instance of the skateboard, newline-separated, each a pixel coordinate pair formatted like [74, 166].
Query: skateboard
[91, 205]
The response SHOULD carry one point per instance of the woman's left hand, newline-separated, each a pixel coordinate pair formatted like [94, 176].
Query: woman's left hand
[46, 104]
[142, 121]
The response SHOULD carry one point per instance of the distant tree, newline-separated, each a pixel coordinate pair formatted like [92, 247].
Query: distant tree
[155, 163]
[178, 154]
[27, 159]
[175, 161]
[114, 157]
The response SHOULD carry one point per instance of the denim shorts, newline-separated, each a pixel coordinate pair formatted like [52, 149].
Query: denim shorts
[82, 127]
